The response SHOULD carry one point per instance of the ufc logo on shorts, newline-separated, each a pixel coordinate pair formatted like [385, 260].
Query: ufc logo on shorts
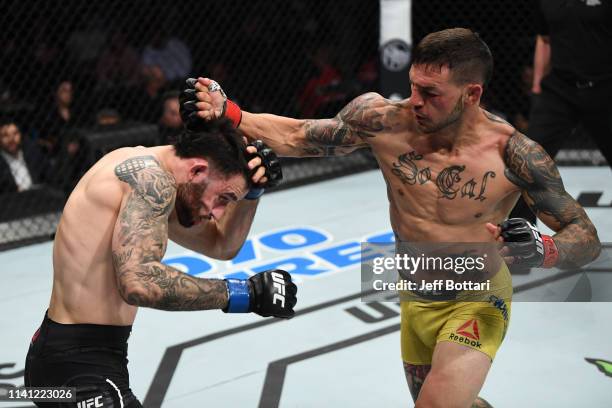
[279, 285]
[538, 238]
[91, 403]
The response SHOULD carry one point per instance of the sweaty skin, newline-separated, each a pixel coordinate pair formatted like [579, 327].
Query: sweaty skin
[138, 187]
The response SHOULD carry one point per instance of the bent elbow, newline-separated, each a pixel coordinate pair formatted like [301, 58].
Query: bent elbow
[134, 295]
[227, 254]
[294, 143]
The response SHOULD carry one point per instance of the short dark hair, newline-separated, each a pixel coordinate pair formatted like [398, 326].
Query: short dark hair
[461, 49]
[218, 142]
[6, 120]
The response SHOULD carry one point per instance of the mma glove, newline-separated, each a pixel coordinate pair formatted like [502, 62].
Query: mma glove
[189, 110]
[270, 162]
[269, 293]
[527, 245]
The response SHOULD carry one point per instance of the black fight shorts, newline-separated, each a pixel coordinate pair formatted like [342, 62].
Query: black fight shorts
[88, 357]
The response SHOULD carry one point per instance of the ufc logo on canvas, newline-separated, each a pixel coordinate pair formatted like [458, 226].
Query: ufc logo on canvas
[91, 403]
[279, 285]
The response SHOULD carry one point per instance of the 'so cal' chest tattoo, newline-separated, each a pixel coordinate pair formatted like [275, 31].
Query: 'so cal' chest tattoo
[449, 182]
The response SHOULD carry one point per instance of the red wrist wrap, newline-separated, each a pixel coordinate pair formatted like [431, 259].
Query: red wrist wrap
[233, 113]
[551, 253]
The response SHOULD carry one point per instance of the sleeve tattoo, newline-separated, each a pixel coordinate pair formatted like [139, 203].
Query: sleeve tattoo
[350, 129]
[139, 243]
[532, 169]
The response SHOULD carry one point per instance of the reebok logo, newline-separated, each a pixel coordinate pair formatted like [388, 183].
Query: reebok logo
[467, 334]
[469, 329]
[279, 285]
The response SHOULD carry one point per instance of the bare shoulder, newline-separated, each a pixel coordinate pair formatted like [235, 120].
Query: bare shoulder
[371, 112]
[146, 180]
[500, 130]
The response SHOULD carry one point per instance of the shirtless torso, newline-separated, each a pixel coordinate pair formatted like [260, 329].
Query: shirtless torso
[85, 285]
[109, 245]
[453, 173]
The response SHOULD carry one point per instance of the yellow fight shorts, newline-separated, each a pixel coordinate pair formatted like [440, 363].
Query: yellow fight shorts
[480, 325]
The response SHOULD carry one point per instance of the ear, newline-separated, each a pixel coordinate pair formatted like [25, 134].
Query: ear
[474, 93]
[198, 170]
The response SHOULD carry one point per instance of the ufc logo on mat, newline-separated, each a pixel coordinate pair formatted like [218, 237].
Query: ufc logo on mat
[91, 403]
[279, 285]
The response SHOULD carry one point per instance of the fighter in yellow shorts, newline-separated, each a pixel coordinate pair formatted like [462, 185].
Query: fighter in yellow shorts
[453, 173]
[480, 323]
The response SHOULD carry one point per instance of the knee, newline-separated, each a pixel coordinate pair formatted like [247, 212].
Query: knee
[437, 392]
[433, 393]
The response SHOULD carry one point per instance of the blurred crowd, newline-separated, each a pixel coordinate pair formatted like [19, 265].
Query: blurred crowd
[70, 71]
[66, 72]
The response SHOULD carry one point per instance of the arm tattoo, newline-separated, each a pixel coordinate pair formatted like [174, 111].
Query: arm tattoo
[140, 242]
[361, 119]
[532, 169]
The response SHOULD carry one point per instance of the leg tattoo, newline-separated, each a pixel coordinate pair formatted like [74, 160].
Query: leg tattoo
[415, 375]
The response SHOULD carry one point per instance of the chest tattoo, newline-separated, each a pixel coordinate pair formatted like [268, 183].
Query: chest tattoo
[449, 182]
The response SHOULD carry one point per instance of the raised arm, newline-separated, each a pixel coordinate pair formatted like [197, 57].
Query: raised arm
[139, 243]
[222, 238]
[352, 128]
[219, 239]
[532, 169]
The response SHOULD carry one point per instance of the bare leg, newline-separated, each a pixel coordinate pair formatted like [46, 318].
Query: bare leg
[454, 379]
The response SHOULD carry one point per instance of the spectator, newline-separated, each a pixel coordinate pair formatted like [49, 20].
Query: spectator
[168, 53]
[58, 137]
[170, 123]
[59, 121]
[22, 164]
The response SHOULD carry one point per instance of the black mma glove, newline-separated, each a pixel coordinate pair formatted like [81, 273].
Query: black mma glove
[269, 161]
[189, 110]
[527, 245]
[269, 293]
[187, 105]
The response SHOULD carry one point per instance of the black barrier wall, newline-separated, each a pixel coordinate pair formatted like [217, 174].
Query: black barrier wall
[79, 79]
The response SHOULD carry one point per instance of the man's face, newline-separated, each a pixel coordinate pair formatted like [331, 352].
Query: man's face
[64, 93]
[436, 100]
[10, 138]
[207, 197]
[171, 117]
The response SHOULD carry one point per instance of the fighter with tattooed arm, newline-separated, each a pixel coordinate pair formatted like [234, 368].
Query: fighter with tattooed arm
[202, 192]
[453, 173]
